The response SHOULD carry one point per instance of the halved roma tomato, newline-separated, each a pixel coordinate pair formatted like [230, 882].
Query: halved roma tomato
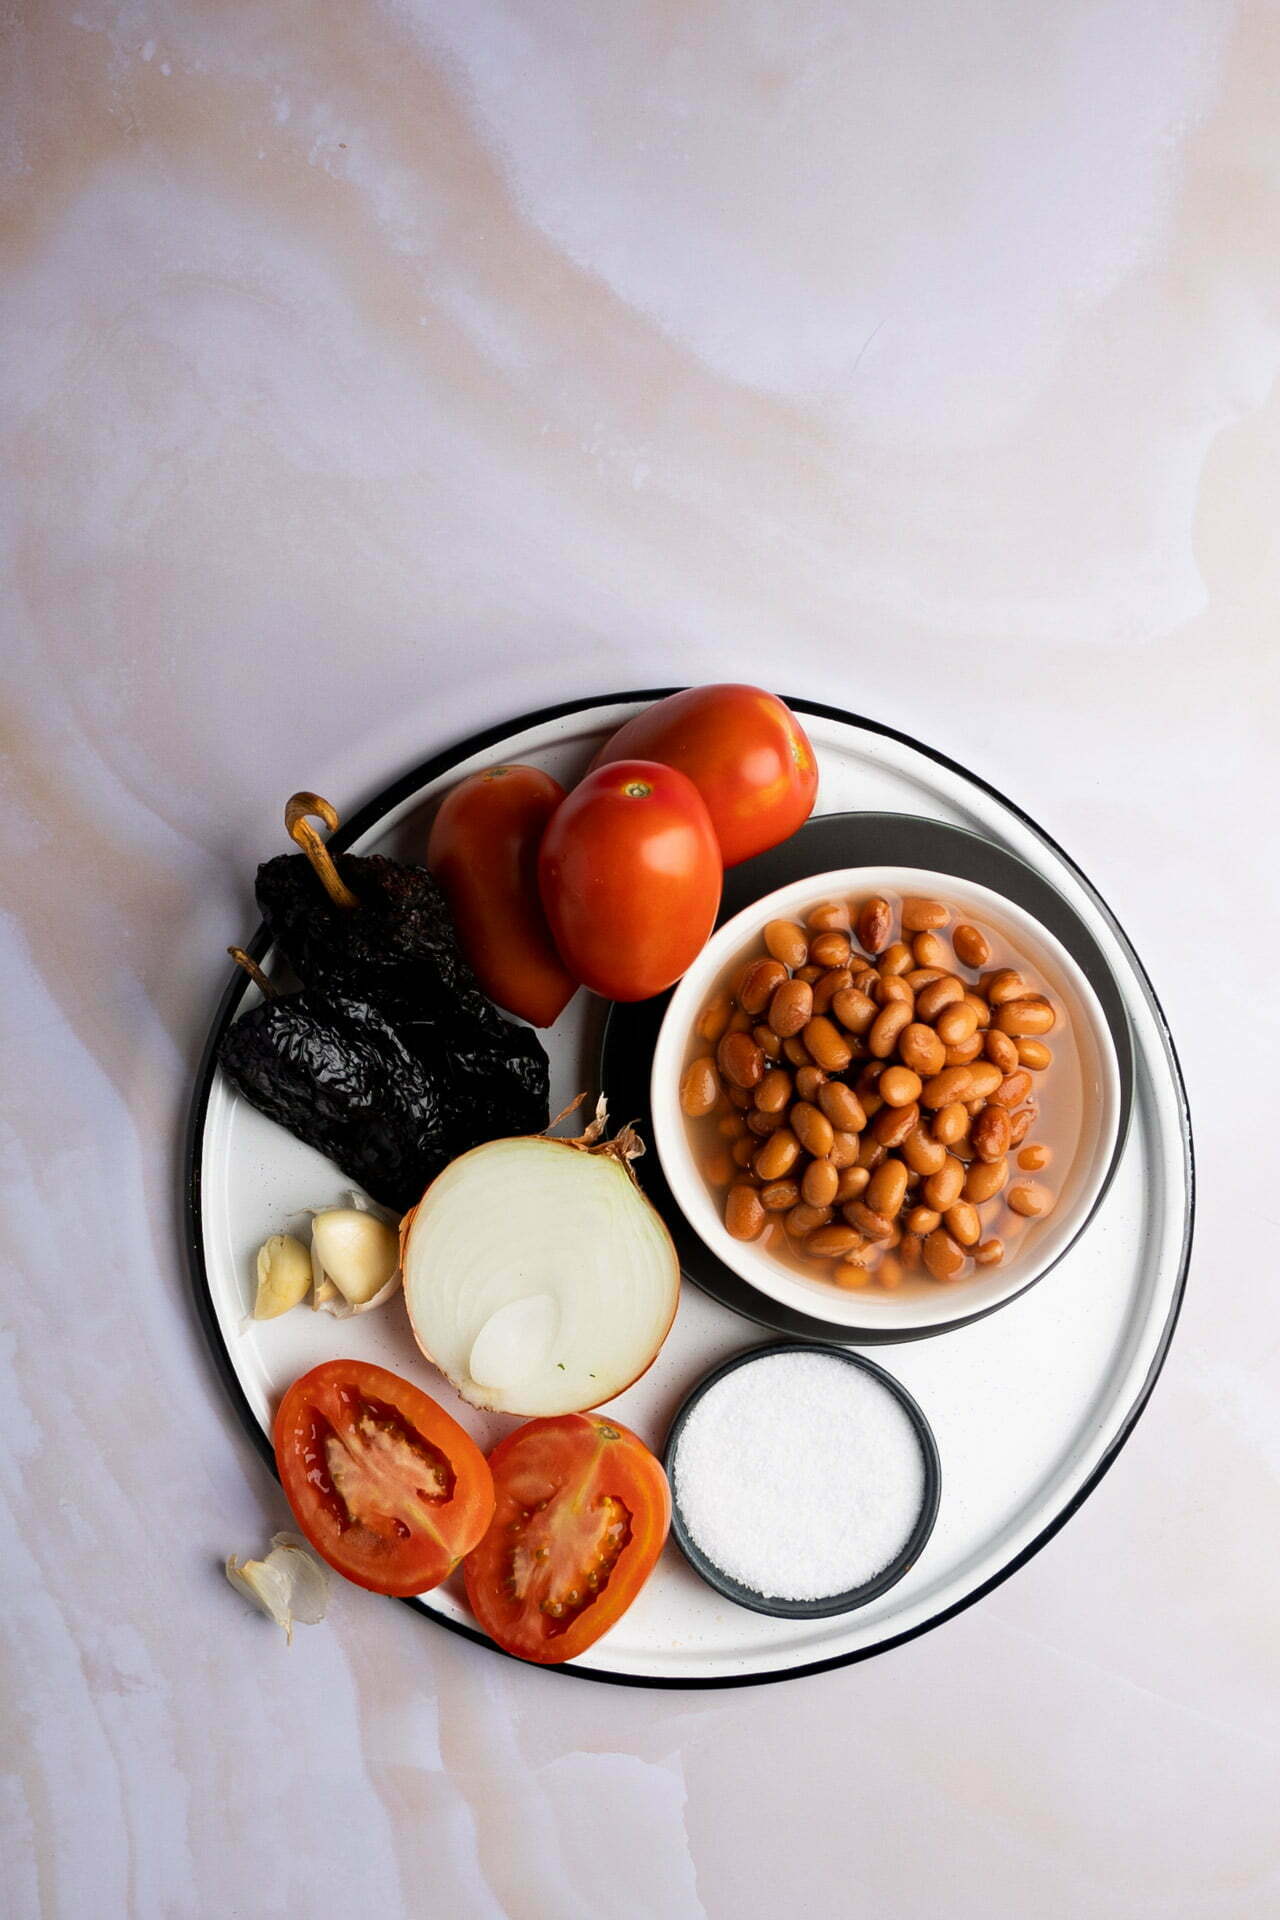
[385, 1485]
[582, 1512]
[744, 751]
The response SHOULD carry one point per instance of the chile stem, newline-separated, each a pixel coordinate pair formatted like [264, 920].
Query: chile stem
[298, 812]
[255, 973]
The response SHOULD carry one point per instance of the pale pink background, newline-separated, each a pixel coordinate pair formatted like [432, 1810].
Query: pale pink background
[373, 372]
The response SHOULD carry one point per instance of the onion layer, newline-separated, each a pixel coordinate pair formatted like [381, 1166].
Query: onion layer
[538, 1277]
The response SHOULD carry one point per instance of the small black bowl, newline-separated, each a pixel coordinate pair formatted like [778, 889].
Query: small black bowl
[828, 1604]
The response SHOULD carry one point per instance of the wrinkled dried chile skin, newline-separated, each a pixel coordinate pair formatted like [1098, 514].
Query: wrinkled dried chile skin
[335, 1072]
[400, 945]
[390, 1061]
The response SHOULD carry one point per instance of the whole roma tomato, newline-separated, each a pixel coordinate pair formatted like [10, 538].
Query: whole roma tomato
[745, 752]
[483, 850]
[630, 876]
[386, 1486]
[582, 1511]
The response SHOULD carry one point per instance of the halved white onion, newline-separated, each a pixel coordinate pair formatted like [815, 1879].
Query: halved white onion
[538, 1277]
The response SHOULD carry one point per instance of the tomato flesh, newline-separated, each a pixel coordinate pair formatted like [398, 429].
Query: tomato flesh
[745, 752]
[386, 1486]
[630, 874]
[559, 1565]
[581, 1513]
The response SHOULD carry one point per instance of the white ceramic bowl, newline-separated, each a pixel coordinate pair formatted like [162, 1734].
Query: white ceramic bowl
[1078, 1180]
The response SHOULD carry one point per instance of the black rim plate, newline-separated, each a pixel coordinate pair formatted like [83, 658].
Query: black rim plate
[364, 820]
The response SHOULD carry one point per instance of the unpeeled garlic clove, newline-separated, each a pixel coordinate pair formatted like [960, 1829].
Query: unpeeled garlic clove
[354, 1252]
[284, 1275]
[288, 1585]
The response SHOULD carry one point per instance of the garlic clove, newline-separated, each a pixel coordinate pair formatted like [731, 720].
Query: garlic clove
[289, 1585]
[355, 1252]
[284, 1275]
[324, 1293]
[331, 1301]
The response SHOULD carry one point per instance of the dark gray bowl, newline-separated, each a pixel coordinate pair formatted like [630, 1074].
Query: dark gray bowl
[829, 1604]
[822, 845]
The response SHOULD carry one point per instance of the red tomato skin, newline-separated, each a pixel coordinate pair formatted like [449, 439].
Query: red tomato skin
[744, 750]
[483, 849]
[567, 1461]
[630, 875]
[413, 1566]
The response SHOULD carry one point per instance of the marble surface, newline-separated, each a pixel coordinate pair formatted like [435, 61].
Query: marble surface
[373, 372]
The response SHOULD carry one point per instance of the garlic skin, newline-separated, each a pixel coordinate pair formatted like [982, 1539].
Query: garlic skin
[355, 1260]
[284, 1275]
[289, 1585]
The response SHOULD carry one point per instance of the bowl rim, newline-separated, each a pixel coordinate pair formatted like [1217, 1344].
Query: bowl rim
[826, 1605]
[862, 1312]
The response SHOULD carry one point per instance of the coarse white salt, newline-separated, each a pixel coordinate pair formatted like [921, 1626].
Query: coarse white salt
[799, 1475]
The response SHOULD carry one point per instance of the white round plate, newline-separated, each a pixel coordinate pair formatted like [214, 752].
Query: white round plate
[1029, 1406]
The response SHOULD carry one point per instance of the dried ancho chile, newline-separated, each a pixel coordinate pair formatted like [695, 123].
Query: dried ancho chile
[399, 946]
[334, 1071]
[390, 1060]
